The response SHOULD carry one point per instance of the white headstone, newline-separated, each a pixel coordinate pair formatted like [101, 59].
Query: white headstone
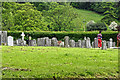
[10, 41]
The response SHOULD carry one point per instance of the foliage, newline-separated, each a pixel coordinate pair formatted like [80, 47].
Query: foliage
[96, 26]
[44, 16]
[60, 18]
[56, 16]
[110, 13]
[110, 10]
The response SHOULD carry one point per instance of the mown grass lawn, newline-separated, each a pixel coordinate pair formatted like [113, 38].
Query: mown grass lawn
[46, 62]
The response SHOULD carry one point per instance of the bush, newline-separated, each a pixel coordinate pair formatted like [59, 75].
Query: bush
[96, 26]
[60, 35]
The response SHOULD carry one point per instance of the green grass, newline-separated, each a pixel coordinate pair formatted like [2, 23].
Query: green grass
[87, 15]
[46, 62]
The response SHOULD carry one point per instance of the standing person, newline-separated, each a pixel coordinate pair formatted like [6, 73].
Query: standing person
[99, 36]
[118, 39]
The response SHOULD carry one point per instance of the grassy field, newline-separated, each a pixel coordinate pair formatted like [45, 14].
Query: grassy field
[46, 62]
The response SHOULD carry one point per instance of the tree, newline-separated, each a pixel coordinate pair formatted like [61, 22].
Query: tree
[60, 18]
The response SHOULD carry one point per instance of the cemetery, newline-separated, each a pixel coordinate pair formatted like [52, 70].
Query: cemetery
[59, 40]
[46, 57]
[45, 41]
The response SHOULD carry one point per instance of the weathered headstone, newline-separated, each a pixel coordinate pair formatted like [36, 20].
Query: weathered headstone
[85, 39]
[18, 41]
[3, 37]
[72, 43]
[41, 41]
[111, 42]
[83, 44]
[76, 44]
[10, 41]
[79, 43]
[49, 42]
[23, 43]
[95, 42]
[104, 47]
[88, 44]
[54, 42]
[66, 41]
[108, 44]
[46, 41]
[32, 43]
[93, 45]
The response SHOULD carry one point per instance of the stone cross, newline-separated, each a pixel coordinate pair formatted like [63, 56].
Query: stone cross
[22, 35]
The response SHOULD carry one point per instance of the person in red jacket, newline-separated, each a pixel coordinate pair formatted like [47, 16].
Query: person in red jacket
[118, 39]
[99, 36]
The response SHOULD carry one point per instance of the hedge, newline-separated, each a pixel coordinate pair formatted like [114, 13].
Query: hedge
[60, 35]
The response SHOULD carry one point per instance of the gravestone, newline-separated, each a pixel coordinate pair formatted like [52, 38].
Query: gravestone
[83, 44]
[95, 43]
[108, 44]
[85, 39]
[111, 42]
[46, 41]
[88, 44]
[23, 35]
[79, 43]
[54, 42]
[10, 41]
[3, 37]
[32, 43]
[20, 42]
[76, 44]
[66, 41]
[72, 43]
[49, 42]
[104, 47]
[41, 41]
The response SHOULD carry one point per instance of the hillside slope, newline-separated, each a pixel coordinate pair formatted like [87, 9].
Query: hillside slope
[85, 15]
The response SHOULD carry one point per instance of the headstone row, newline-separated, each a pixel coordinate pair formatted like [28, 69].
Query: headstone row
[45, 41]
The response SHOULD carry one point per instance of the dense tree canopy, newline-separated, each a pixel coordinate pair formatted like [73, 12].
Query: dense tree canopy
[53, 16]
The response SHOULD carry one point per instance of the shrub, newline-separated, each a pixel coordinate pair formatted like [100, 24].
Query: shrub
[96, 26]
